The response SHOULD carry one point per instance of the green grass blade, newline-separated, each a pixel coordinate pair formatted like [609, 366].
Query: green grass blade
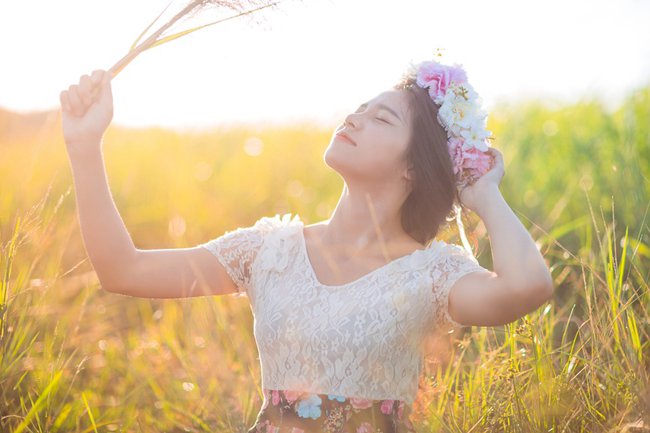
[640, 247]
[90, 412]
[634, 335]
[621, 269]
[36, 406]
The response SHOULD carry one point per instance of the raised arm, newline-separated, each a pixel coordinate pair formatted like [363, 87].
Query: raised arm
[521, 281]
[120, 266]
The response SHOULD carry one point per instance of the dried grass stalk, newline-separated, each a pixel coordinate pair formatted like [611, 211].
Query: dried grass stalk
[192, 9]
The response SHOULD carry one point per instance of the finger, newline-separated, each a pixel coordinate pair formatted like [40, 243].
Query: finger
[498, 156]
[85, 90]
[65, 101]
[96, 78]
[105, 93]
[75, 101]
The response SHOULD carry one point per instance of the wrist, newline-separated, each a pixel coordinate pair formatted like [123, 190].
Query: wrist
[84, 154]
[491, 196]
[83, 146]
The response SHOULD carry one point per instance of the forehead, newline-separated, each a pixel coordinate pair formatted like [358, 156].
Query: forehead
[395, 99]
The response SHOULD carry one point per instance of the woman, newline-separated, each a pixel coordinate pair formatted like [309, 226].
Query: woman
[341, 306]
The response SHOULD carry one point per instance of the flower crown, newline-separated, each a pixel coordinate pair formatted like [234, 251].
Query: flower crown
[460, 114]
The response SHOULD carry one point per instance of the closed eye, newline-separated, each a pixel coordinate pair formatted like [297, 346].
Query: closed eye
[378, 118]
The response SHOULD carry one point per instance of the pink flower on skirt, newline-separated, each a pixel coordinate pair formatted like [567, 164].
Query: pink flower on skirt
[275, 397]
[387, 406]
[365, 427]
[360, 403]
[270, 428]
[291, 396]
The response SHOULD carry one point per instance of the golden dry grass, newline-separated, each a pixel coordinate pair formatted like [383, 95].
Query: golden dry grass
[74, 358]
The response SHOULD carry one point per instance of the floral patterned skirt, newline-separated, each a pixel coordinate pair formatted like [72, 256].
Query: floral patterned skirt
[286, 411]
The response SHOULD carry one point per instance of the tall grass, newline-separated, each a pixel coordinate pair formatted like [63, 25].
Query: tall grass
[74, 358]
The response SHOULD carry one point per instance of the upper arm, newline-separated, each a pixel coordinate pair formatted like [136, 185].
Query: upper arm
[484, 299]
[471, 295]
[220, 266]
[175, 273]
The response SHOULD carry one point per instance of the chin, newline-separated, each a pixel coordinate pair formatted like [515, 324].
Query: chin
[346, 167]
[337, 162]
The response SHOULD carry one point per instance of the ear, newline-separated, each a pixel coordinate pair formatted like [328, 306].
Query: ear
[409, 174]
[409, 178]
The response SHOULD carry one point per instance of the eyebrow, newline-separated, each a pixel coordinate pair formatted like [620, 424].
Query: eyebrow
[385, 107]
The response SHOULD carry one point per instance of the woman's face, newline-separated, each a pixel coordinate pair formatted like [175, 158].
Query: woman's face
[380, 129]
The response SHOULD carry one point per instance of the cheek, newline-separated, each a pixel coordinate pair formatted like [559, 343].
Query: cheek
[385, 158]
[391, 147]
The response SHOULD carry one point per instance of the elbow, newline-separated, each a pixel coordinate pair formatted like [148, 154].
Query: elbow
[114, 278]
[545, 286]
[113, 288]
[540, 285]
[542, 292]
[534, 294]
[542, 288]
[113, 285]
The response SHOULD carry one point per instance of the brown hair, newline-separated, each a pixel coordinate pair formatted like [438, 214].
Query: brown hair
[433, 193]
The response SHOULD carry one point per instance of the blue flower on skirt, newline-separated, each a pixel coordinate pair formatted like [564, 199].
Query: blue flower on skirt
[336, 397]
[309, 407]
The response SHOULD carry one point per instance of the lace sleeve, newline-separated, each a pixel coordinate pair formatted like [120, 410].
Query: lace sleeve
[455, 263]
[236, 251]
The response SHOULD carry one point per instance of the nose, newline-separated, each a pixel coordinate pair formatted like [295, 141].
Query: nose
[350, 120]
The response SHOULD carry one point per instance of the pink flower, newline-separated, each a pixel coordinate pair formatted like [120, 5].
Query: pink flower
[387, 406]
[471, 162]
[437, 78]
[291, 396]
[477, 162]
[360, 403]
[270, 428]
[455, 147]
[365, 427]
[275, 397]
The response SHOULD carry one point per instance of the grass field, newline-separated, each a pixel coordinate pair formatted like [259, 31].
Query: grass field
[75, 358]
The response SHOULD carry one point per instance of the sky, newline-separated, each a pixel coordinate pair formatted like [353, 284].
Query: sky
[317, 60]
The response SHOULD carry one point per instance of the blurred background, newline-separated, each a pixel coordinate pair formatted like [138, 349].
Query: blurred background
[199, 143]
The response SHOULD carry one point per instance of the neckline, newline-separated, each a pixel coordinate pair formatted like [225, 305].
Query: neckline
[312, 273]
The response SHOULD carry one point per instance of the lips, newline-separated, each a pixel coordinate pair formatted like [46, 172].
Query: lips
[345, 137]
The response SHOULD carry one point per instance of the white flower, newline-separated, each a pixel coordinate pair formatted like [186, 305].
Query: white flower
[457, 113]
[273, 254]
[475, 135]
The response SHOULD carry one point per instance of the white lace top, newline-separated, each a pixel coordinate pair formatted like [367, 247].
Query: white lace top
[361, 339]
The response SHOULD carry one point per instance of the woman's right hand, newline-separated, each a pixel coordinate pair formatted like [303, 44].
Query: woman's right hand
[87, 110]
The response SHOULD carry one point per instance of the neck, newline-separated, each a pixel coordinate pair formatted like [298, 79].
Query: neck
[365, 220]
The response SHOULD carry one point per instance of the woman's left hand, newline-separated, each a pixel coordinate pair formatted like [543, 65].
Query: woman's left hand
[474, 196]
